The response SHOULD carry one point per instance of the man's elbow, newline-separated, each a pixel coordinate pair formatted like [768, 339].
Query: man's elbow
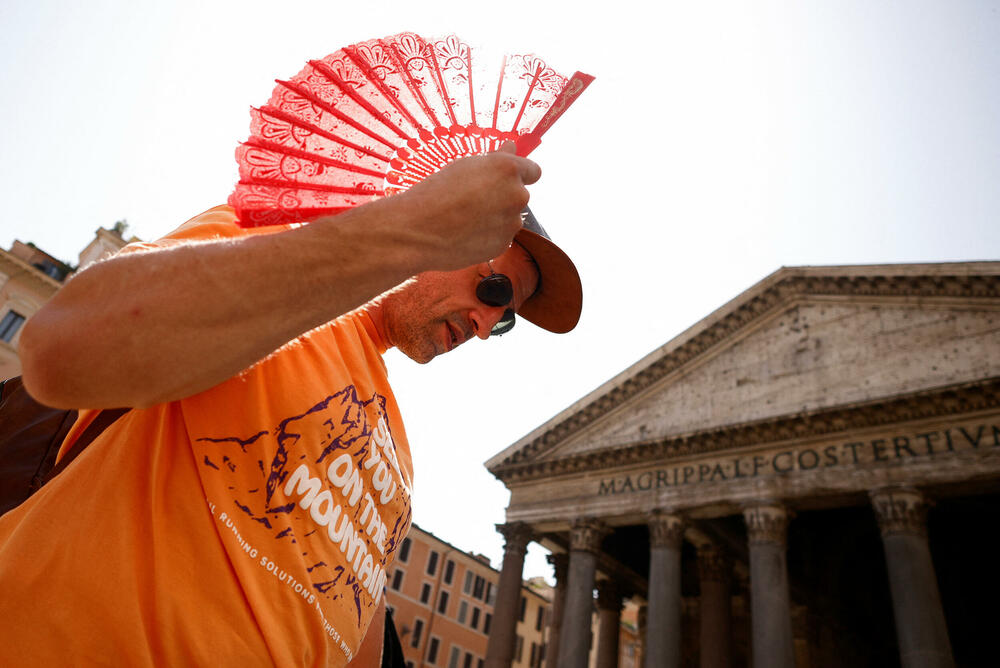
[42, 370]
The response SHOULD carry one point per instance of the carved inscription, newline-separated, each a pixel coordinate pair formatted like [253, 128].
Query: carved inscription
[868, 453]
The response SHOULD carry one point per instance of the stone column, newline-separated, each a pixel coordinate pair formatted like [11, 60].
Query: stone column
[663, 618]
[560, 564]
[609, 615]
[920, 625]
[770, 609]
[574, 637]
[500, 650]
[716, 607]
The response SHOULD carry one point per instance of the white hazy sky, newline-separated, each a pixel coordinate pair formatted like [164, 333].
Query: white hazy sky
[719, 142]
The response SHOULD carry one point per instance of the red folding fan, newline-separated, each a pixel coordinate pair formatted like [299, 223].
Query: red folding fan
[375, 118]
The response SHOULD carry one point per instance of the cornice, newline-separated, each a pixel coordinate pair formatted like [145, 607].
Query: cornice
[21, 268]
[939, 402]
[967, 287]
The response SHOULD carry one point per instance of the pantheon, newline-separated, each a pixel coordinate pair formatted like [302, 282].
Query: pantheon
[809, 476]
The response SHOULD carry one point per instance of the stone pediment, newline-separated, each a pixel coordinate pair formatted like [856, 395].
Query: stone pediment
[803, 343]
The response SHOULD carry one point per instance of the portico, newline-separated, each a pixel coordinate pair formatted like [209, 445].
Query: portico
[762, 482]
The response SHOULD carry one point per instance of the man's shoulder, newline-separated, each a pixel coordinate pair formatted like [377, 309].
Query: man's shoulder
[218, 223]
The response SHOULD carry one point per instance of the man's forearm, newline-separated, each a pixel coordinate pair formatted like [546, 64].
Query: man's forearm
[150, 327]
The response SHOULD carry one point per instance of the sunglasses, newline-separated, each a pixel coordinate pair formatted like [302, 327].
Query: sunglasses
[496, 290]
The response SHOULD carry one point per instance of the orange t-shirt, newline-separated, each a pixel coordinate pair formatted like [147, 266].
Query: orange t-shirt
[250, 524]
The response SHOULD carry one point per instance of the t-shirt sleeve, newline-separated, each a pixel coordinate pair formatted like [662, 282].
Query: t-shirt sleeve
[217, 223]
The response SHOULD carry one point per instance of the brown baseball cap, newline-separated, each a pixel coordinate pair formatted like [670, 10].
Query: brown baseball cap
[557, 301]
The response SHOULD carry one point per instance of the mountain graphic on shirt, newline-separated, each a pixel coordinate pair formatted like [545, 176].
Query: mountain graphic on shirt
[254, 469]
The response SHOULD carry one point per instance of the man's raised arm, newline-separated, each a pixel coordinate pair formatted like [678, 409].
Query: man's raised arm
[145, 328]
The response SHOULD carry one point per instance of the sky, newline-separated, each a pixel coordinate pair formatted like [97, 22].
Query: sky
[719, 142]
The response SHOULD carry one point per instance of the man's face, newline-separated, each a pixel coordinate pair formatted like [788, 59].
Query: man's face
[438, 310]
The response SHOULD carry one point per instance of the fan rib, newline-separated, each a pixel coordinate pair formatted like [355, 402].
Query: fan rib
[527, 97]
[255, 142]
[274, 112]
[472, 91]
[404, 72]
[325, 106]
[319, 187]
[380, 86]
[332, 76]
[442, 89]
[496, 104]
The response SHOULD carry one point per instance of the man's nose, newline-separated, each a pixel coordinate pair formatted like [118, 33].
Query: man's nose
[485, 318]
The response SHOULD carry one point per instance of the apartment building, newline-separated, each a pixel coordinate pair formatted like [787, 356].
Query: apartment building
[442, 600]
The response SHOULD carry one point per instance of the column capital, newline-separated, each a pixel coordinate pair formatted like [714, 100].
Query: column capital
[586, 534]
[713, 565]
[900, 510]
[517, 536]
[609, 595]
[560, 565]
[666, 529]
[767, 522]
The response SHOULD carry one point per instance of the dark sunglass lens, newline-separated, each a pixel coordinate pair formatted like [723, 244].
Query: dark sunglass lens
[495, 290]
[505, 324]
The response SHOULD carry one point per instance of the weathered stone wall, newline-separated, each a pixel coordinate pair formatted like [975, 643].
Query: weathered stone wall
[811, 356]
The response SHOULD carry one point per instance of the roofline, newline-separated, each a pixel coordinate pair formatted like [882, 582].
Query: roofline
[30, 270]
[467, 554]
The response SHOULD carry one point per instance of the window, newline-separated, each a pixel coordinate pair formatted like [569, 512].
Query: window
[480, 663]
[468, 660]
[463, 610]
[409, 664]
[449, 571]
[443, 602]
[534, 655]
[397, 579]
[491, 594]
[418, 628]
[404, 551]
[432, 563]
[524, 605]
[456, 655]
[519, 649]
[468, 582]
[432, 650]
[477, 589]
[425, 593]
[475, 618]
[486, 623]
[538, 619]
[12, 321]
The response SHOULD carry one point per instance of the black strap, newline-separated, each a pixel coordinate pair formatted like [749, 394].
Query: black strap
[392, 649]
[101, 421]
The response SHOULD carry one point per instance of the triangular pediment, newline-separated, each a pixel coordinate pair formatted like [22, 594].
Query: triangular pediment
[803, 341]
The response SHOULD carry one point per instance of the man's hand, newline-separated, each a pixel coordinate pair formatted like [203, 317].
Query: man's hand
[470, 211]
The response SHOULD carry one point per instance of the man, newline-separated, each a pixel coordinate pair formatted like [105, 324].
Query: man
[246, 510]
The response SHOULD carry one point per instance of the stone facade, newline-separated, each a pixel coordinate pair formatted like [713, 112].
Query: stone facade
[820, 412]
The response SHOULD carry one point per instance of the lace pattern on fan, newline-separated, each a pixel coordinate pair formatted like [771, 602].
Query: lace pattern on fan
[375, 118]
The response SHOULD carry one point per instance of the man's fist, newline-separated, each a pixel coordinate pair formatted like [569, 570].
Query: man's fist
[470, 211]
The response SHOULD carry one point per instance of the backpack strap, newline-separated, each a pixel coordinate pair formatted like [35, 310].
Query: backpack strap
[102, 421]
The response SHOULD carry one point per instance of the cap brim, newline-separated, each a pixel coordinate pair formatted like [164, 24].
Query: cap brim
[557, 302]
